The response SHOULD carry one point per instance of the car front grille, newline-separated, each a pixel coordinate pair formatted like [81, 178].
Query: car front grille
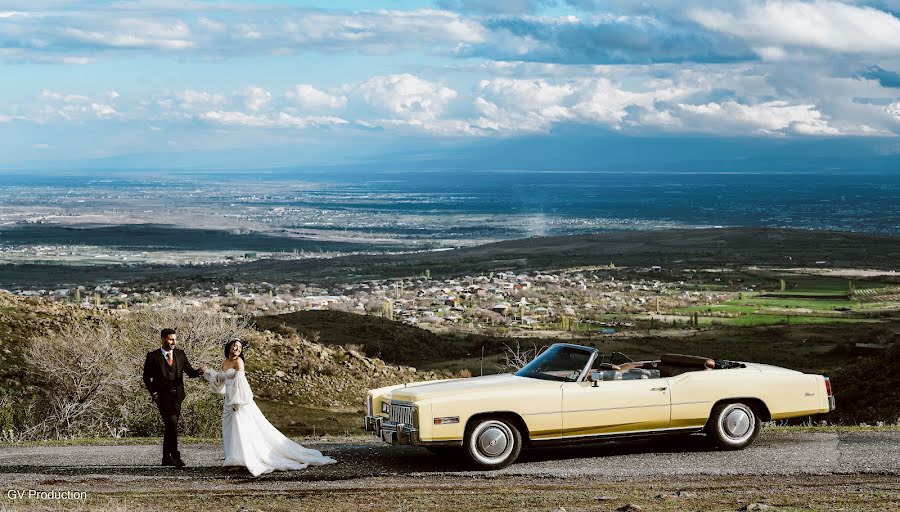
[401, 413]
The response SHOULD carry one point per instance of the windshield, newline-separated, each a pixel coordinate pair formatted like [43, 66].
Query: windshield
[559, 362]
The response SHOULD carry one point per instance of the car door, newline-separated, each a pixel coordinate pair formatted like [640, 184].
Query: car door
[615, 406]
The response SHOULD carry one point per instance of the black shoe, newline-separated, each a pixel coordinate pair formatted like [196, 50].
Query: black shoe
[168, 461]
[179, 464]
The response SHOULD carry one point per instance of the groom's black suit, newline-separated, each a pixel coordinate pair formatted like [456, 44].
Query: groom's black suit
[166, 385]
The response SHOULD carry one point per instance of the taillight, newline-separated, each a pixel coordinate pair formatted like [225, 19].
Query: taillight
[828, 386]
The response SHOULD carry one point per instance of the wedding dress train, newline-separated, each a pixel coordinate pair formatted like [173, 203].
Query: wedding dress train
[248, 437]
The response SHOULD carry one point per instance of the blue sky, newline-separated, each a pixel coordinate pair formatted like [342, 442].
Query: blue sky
[166, 83]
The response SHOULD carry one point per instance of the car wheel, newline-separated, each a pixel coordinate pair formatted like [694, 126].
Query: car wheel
[493, 443]
[733, 426]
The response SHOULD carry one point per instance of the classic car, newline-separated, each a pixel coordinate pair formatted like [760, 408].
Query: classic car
[570, 393]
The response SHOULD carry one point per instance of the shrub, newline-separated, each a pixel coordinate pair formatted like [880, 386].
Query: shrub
[92, 372]
[16, 417]
[514, 358]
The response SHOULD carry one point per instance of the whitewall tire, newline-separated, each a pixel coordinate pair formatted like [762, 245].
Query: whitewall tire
[493, 443]
[733, 426]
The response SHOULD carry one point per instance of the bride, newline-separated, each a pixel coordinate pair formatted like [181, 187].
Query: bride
[249, 439]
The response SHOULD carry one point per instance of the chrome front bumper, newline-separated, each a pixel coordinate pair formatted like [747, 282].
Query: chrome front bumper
[391, 432]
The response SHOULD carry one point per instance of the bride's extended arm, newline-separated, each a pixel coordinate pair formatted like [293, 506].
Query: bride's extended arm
[216, 380]
[241, 394]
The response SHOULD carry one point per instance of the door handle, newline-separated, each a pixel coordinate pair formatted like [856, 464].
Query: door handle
[657, 389]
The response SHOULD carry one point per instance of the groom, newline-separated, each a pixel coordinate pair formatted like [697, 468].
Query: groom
[163, 377]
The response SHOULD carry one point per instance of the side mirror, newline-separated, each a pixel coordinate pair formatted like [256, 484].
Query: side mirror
[595, 376]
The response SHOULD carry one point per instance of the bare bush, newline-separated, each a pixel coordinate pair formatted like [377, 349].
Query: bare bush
[515, 358]
[17, 418]
[93, 371]
[82, 372]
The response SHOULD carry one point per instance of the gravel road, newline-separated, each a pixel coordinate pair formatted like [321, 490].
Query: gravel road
[772, 454]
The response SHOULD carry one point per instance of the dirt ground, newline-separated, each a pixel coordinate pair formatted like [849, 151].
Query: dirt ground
[789, 470]
[405, 493]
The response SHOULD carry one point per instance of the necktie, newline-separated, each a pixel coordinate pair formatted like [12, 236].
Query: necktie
[169, 358]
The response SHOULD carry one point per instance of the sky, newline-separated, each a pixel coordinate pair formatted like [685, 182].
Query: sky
[265, 84]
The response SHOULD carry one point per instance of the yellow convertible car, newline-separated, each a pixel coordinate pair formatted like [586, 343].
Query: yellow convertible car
[570, 393]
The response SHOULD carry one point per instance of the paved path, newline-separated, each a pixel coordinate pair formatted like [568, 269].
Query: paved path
[771, 454]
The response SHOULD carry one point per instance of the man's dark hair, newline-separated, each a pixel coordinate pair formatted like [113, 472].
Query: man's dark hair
[163, 334]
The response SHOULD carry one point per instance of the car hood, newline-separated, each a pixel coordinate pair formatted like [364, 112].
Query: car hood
[428, 390]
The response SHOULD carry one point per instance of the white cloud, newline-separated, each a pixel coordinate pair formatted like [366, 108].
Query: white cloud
[102, 110]
[84, 30]
[608, 103]
[235, 118]
[133, 34]
[775, 117]
[737, 100]
[529, 105]
[493, 118]
[894, 110]
[276, 120]
[771, 26]
[74, 107]
[533, 92]
[310, 98]
[513, 105]
[406, 96]
[255, 98]
[190, 100]
[369, 31]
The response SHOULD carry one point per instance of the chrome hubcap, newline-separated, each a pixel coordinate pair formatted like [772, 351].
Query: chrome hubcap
[737, 422]
[493, 441]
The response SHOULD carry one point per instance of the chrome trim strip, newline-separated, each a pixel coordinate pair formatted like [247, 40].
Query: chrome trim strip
[616, 408]
[628, 433]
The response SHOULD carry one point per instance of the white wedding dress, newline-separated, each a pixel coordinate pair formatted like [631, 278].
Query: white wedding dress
[249, 439]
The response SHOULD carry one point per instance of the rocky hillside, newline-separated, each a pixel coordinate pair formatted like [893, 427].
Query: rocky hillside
[292, 369]
[23, 318]
[868, 388]
[389, 340]
[282, 366]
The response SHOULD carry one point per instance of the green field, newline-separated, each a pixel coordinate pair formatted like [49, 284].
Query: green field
[813, 305]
